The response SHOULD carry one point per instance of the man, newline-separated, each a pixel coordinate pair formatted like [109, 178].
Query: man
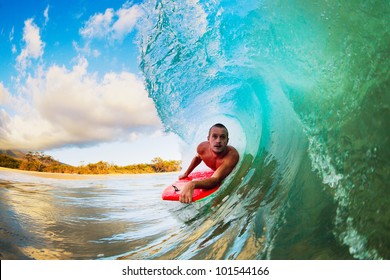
[217, 155]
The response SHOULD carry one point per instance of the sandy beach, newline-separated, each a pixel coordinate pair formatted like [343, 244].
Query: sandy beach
[67, 176]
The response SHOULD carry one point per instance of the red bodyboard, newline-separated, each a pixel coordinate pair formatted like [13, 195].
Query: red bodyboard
[172, 192]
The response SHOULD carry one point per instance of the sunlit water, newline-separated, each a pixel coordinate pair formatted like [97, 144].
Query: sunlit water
[81, 219]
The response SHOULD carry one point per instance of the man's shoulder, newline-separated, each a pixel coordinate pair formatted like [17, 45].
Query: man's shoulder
[232, 150]
[203, 146]
[233, 153]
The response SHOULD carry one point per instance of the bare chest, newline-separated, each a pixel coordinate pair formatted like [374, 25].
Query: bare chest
[212, 161]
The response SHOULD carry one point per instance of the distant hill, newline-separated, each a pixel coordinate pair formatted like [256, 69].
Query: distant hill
[11, 159]
[37, 161]
[13, 153]
[33, 161]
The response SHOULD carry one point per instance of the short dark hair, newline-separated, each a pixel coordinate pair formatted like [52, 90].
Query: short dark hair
[219, 125]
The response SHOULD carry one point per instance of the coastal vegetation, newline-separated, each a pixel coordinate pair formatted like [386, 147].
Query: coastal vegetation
[37, 161]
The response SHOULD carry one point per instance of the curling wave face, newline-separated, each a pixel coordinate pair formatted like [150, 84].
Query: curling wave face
[303, 87]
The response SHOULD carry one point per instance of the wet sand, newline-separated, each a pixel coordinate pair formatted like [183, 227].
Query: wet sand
[68, 176]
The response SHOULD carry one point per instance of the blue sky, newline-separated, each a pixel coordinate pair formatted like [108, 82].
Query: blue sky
[70, 84]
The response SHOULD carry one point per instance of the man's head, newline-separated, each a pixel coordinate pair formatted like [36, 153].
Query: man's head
[218, 138]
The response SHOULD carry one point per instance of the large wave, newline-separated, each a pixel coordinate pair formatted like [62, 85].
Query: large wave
[303, 88]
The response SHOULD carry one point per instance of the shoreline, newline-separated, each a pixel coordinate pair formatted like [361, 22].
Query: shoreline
[70, 176]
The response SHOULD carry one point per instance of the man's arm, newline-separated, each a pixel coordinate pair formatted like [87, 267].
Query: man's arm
[194, 163]
[226, 168]
[219, 175]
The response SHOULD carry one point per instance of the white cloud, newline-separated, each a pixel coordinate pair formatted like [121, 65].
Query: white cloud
[11, 34]
[86, 50]
[98, 26]
[11, 38]
[33, 48]
[73, 107]
[127, 18]
[112, 25]
[4, 96]
[46, 14]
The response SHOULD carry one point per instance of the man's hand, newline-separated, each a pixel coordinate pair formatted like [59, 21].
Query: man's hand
[182, 176]
[187, 192]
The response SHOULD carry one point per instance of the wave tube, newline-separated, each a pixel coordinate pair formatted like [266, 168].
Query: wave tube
[303, 85]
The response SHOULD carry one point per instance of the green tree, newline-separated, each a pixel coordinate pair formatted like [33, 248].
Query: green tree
[161, 165]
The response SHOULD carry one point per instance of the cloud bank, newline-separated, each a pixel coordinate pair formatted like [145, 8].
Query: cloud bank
[72, 107]
[114, 25]
[55, 106]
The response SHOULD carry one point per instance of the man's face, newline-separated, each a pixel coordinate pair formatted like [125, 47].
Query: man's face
[218, 139]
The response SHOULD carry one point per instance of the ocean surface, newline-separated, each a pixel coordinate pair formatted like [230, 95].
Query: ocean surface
[303, 87]
[103, 218]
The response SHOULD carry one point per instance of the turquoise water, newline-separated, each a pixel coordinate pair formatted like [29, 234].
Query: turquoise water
[303, 87]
